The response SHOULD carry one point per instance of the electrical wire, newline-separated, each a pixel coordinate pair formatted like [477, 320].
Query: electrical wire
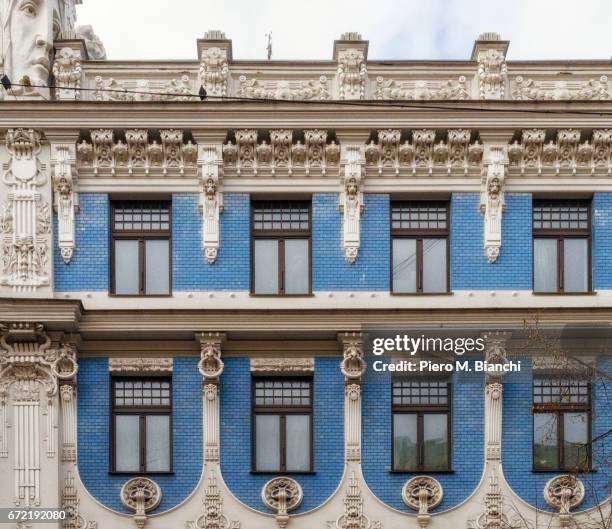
[405, 104]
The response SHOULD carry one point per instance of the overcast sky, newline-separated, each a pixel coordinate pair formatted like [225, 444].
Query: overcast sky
[396, 29]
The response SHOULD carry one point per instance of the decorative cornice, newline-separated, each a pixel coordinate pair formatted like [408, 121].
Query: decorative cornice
[565, 154]
[282, 365]
[284, 153]
[530, 89]
[282, 89]
[422, 90]
[456, 153]
[140, 365]
[136, 152]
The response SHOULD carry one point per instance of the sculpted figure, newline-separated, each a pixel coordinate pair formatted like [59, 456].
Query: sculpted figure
[28, 29]
[95, 47]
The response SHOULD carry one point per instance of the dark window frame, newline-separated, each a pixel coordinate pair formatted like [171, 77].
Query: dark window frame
[420, 410]
[282, 411]
[141, 236]
[561, 235]
[281, 236]
[142, 412]
[560, 409]
[419, 234]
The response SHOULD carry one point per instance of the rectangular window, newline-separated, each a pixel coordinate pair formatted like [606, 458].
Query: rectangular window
[419, 262]
[421, 426]
[281, 248]
[561, 246]
[142, 425]
[561, 424]
[141, 248]
[282, 416]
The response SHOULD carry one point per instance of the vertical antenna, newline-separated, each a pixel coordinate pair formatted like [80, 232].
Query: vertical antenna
[269, 46]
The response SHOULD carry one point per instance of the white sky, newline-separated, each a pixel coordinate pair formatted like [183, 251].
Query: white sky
[396, 29]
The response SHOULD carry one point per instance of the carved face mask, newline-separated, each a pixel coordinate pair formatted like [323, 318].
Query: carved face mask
[28, 30]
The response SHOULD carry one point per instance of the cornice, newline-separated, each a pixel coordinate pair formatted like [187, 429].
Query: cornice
[56, 314]
[231, 114]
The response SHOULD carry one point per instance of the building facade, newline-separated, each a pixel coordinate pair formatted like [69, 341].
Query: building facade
[194, 254]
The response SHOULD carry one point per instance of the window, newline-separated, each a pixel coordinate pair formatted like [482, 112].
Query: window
[419, 261]
[561, 424]
[282, 416]
[421, 426]
[141, 425]
[561, 246]
[141, 248]
[281, 248]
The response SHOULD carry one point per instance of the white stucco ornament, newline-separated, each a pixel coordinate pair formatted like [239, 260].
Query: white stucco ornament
[422, 493]
[282, 495]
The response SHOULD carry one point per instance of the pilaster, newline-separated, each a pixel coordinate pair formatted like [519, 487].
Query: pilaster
[215, 54]
[25, 215]
[68, 69]
[351, 54]
[492, 75]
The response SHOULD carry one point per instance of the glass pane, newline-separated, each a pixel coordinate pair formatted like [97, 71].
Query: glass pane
[267, 431]
[405, 441]
[545, 265]
[435, 439]
[434, 265]
[404, 265]
[127, 443]
[298, 442]
[575, 265]
[545, 441]
[157, 269]
[158, 443]
[266, 266]
[126, 267]
[575, 441]
[296, 266]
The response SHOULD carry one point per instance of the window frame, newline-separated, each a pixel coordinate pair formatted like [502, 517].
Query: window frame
[420, 410]
[419, 234]
[282, 412]
[142, 412]
[141, 236]
[560, 409]
[560, 235]
[281, 236]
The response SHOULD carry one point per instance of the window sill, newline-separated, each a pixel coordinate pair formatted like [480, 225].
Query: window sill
[591, 293]
[284, 473]
[421, 472]
[422, 293]
[562, 471]
[111, 295]
[138, 473]
[253, 295]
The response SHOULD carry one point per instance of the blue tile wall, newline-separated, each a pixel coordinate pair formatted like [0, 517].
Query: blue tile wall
[470, 269]
[602, 241]
[89, 268]
[231, 270]
[330, 269]
[328, 434]
[467, 441]
[93, 434]
[517, 432]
